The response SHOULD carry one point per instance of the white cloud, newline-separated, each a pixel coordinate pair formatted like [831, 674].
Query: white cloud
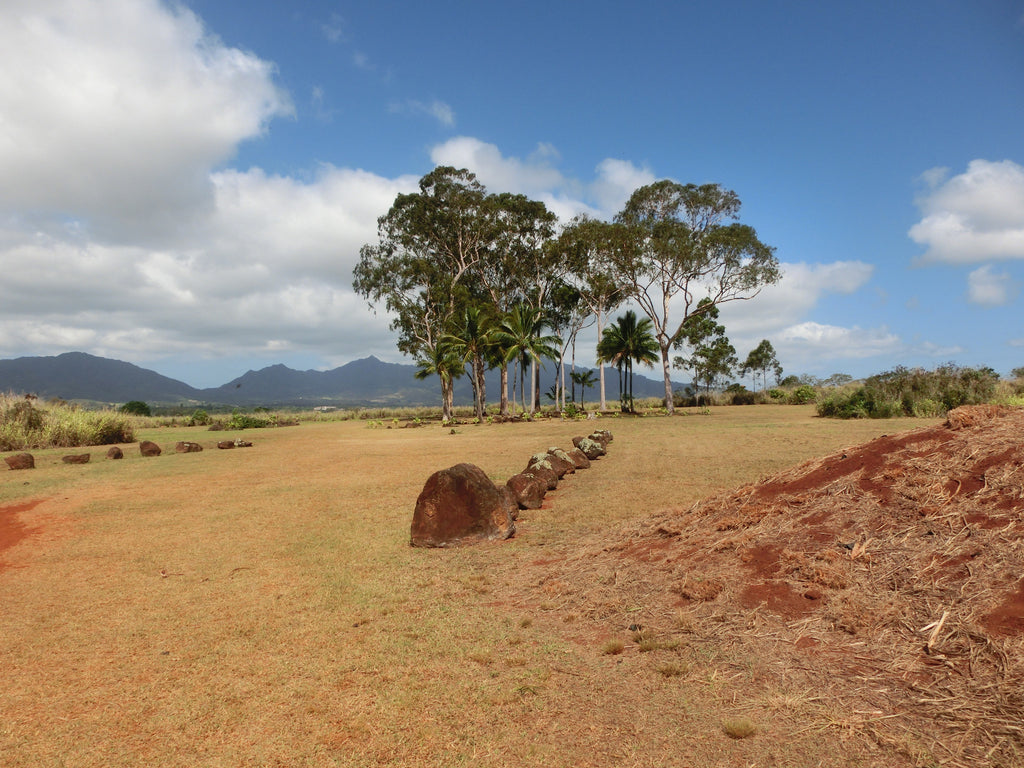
[973, 217]
[810, 342]
[616, 181]
[438, 110]
[990, 289]
[121, 108]
[334, 28]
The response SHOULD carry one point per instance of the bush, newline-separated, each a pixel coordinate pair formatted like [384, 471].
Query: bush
[136, 408]
[23, 426]
[199, 418]
[802, 395]
[916, 392]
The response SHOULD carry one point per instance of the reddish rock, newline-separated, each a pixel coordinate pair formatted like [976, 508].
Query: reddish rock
[149, 448]
[528, 490]
[187, 447]
[115, 453]
[591, 448]
[20, 461]
[561, 455]
[579, 458]
[561, 467]
[461, 505]
[76, 458]
[545, 474]
[226, 444]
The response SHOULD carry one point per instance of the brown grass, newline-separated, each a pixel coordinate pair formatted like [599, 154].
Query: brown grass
[261, 606]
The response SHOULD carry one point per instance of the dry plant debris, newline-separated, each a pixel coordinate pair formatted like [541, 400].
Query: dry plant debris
[888, 578]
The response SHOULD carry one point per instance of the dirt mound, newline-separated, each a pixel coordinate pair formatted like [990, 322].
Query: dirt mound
[889, 576]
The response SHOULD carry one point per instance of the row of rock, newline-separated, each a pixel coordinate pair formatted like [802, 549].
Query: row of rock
[146, 448]
[461, 505]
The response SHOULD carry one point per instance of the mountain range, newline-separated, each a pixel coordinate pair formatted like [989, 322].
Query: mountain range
[367, 382]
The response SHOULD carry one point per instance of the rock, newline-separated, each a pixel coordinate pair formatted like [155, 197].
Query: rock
[591, 448]
[20, 461]
[183, 446]
[76, 458]
[115, 453]
[561, 455]
[149, 448]
[527, 489]
[579, 458]
[461, 505]
[545, 474]
[240, 443]
[603, 436]
[547, 461]
[226, 444]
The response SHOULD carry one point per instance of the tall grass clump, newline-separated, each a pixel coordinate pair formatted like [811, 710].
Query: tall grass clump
[912, 392]
[24, 424]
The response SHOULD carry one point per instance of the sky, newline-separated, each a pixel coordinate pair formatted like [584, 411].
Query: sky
[186, 186]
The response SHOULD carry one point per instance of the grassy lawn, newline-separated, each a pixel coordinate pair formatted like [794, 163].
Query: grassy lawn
[261, 606]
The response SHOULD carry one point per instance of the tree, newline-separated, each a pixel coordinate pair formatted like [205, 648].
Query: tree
[588, 246]
[837, 380]
[584, 379]
[429, 241]
[624, 342]
[761, 360]
[712, 356]
[469, 341]
[136, 408]
[520, 335]
[442, 362]
[684, 241]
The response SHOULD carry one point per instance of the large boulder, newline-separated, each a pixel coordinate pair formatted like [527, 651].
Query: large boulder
[543, 472]
[561, 455]
[559, 466]
[20, 461]
[183, 446]
[461, 505]
[76, 458]
[149, 448]
[603, 436]
[579, 458]
[527, 489]
[591, 448]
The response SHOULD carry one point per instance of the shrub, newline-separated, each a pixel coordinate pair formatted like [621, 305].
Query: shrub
[199, 418]
[802, 395]
[60, 425]
[136, 408]
[777, 394]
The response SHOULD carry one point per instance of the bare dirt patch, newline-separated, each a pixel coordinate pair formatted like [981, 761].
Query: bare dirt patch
[12, 528]
[887, 577]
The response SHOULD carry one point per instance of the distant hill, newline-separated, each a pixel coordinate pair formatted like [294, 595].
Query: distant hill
[365, 382]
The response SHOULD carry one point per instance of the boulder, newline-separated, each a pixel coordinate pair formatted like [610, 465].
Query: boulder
[547, 461]
[461, 505]
[20, 461]
[546, 475]
[527, 489]
[149, 448]
[115, 453]
[579, 458]
[591, 448]
[183, 446]
[76, 458]
[602, 436]
[226, 444]
[561, 455]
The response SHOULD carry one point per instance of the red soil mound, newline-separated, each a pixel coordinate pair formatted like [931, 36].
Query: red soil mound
[896, 566]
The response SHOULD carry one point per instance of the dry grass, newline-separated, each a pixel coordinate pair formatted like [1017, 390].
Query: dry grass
[261, 606]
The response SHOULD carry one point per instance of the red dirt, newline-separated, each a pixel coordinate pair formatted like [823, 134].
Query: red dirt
[12, 529]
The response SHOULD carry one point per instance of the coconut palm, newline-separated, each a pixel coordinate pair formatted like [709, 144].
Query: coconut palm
[520, 335]
[584, 379]
[440, 361]
[624, 342]
[470, 342]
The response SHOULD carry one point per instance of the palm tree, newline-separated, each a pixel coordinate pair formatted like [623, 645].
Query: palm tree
[440, 361]
[470, 342]
[624, 342]
[519, 334]
[584, 379]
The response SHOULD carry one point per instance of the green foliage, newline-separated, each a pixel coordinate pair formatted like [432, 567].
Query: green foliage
[802, 395]
[199, 418]
[241, 420]
[777, 394]
[624, 342]
[912, 392]
[23, 426]
[761, 360]
[136, 408]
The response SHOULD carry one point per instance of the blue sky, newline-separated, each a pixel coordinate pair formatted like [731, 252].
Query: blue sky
[186, 186]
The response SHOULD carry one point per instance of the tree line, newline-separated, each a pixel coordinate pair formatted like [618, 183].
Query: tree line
[475, 280]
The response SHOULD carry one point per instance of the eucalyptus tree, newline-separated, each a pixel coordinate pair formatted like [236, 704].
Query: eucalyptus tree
[712, 356]
[624, 342]
[520, 334]
[685, 243]
[567, 315]
[589, 246]
[429, 243]
[761, 360]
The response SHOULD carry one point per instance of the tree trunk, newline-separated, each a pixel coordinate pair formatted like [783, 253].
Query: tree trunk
[667, 371]
[478, 386]
[533, 387]
[600, 366]
[504, 390]
[447, 399]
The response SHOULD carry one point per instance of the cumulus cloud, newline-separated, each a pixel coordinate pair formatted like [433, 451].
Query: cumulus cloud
[972, 217]
[991, 289]
[121, 108]
[810, 341]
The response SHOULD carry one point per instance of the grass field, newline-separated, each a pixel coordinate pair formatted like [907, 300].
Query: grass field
[262, 607]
